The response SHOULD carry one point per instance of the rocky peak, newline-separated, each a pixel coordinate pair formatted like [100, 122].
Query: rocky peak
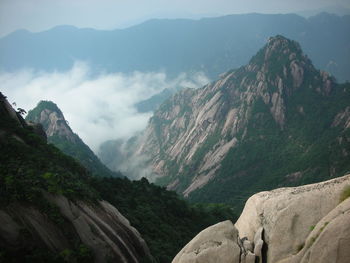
[229, 129]
[51, 117]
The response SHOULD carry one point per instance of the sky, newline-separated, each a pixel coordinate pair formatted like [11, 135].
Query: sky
[39, 15]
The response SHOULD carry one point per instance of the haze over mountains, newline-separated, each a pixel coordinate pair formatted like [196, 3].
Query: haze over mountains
[191, 119]
[211, 45]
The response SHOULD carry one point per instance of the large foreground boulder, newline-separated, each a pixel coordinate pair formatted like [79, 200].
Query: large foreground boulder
[306, 224]
[217, 243]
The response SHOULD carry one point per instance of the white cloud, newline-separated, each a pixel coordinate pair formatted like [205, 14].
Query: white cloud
[98, 107]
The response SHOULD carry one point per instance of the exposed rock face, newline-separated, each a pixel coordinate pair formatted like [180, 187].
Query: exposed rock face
[53, 121]
[48, 116]
[6, 109]
[290, 225]
[100, 227]
[287, 214]
[329, 240]
[217, 243]
[191, 138]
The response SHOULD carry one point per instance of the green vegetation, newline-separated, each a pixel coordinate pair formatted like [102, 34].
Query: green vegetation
[73, 146]
[83, 154]
[29, 167]
[81, 254]
[42, 105]
[314, 238]
[308, 144]
[345, 194]
[165, 221]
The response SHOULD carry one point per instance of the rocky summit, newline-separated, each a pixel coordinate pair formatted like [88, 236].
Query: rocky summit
[61, 135]
[277, 121]
[305, 224]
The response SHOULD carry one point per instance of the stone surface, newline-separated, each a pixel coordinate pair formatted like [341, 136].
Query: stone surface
[329, 241]
[287, 214]
[250, 258]
[217, 243]
[305, 224]
[248, 246]
[190, 135]
[101, 227]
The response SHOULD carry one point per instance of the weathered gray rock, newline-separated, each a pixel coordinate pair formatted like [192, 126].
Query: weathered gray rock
[217, 243]
[248, 246]
[249, 258]
[199, 128]
[303, 224]
[329, 241]
[287, 214]
[101, 227]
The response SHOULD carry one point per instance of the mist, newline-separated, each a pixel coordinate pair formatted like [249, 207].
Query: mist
[97, 106]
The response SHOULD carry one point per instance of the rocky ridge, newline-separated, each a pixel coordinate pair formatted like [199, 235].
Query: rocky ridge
[192, 137]
[59, 133]
[287, 225]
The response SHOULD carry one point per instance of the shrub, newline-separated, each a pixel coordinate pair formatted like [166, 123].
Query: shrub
[345, 193]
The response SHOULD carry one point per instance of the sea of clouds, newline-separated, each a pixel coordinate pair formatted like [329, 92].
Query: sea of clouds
[97, 106]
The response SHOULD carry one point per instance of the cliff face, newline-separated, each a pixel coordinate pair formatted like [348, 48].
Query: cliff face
[306, 224]
[233, 132]
[58, 132]
[101, 228]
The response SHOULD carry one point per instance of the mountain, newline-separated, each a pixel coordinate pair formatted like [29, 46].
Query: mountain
[155, 101]
[211, 45]
[53, 210]
[49, 212]
[309, 224]
[274, 122]
[61, 135]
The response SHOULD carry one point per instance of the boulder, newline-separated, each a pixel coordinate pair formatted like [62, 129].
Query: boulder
[329, 241]
[288, 214]
[305, 224]
[218, 243]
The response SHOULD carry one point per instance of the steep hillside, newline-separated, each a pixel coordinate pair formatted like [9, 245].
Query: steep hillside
[49, 212]
[276, 121]
[61, 135]
[211, 45]
[53, 210]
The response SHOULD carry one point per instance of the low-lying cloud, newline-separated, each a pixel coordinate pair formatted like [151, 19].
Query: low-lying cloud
[98, 107]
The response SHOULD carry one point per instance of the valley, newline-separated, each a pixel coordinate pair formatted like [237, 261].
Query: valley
[219, 139]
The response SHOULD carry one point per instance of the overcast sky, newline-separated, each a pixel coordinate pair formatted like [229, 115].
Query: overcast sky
[39, 15]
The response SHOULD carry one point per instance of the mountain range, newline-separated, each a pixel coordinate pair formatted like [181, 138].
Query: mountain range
[53, 209]
[277, 121]
[211, 45]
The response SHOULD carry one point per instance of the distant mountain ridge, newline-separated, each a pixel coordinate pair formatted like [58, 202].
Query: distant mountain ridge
[274, 122]
[61, 135]
[211, 45]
